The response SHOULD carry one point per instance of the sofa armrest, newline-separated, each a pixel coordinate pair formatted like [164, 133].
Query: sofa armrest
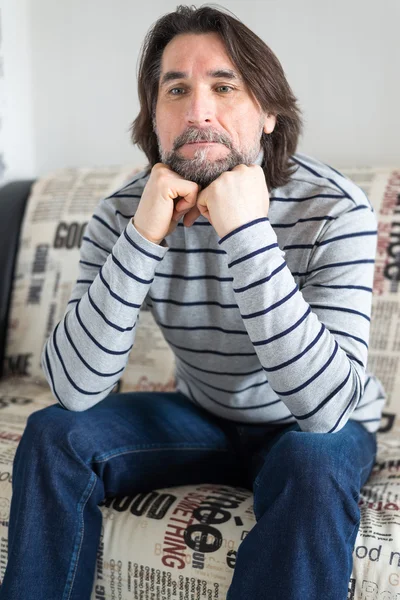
[13, 200]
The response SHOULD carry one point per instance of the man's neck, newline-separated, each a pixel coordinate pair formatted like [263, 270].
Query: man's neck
[259, 158]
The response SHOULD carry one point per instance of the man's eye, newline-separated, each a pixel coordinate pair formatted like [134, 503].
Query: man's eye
[228, 87]
[225, 86]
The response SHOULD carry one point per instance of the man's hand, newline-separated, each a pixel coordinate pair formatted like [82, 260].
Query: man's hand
[233, 199]
[157, 214]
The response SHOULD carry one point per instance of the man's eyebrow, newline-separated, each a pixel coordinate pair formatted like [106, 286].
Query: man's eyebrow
[217, 74]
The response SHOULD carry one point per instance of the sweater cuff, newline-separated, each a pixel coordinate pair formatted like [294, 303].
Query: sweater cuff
[145, 245]
[250, 237]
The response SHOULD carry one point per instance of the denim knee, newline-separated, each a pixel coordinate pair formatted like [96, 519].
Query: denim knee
[51, 424]
[311, 463]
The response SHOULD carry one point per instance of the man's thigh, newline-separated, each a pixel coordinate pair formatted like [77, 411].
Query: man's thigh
[351, 451]
[139, 441]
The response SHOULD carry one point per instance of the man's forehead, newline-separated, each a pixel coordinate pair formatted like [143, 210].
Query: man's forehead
[206, 51]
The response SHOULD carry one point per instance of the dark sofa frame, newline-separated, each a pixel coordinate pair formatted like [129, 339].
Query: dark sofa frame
[13, 200]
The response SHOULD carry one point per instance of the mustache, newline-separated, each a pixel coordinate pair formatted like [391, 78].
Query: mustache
[204, 135]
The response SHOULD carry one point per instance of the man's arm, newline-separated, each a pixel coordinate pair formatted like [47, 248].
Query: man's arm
[88, 350]
[313, 342]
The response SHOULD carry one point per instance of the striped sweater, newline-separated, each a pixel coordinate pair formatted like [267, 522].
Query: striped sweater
[269, 324]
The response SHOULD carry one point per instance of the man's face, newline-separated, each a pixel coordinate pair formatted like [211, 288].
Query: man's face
[200, 105]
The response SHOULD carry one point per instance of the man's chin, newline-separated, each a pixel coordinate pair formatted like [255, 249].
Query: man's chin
[202, 172]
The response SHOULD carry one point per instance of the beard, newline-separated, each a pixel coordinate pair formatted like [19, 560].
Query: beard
[200, 169]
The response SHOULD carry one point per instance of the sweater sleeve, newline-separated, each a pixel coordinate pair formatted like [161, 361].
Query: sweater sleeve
[312, 342]
[88, 350]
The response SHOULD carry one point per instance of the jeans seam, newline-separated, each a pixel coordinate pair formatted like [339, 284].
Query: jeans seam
[76, 552]
[147, 449]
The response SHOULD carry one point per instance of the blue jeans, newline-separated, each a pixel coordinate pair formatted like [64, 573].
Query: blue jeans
[306, 489]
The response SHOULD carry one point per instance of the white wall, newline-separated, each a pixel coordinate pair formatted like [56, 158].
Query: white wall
[71, 77]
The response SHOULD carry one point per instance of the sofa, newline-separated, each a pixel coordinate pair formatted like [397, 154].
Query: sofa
[41, 226]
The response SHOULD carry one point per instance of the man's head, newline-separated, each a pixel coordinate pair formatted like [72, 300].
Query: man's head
[205, 77]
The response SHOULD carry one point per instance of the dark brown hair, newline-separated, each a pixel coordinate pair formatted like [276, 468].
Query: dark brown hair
[257, 64]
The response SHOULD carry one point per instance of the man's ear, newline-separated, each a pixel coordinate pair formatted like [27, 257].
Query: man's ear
[269, 123]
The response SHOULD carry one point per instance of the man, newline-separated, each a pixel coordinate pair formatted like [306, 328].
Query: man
[263, 292]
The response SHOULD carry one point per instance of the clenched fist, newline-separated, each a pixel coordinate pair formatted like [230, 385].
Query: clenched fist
[158, 213]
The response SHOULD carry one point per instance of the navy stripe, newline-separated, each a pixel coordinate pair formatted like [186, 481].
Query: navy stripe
[337, 172]
[72, 382]
[103, 316]
[230, 373]
[95, 244]
[196, 350]
[202, 328]
[273, 306]
[260, 281]
[354, 337]
[328, 241]
[361, 406]
[241, 227]
[314, 172]
[196, 250]
[114, 352]
[360, 207]
[257, 406]
[284, 332]
[327, 399]
[346, 236]
[197, 223]
[131, 275]
[135, 180]
[84, 262]
[103, 222]
[252, 254]
[326, 218]
[359, 362]
[219, 389]
[341, 308]
[292, 360]
[118, 195]
[278, 199]
[118, 212]
[79, 355]
[149, 254]
[343, 413]
[334, 265]
[114, 295]
[192, 277]
[314, 377]
[340, 287]
[201, 303]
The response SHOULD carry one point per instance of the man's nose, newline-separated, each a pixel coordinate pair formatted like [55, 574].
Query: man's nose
[200, 108]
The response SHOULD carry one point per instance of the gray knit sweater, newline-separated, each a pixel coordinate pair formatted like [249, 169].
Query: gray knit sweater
[269, 324]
